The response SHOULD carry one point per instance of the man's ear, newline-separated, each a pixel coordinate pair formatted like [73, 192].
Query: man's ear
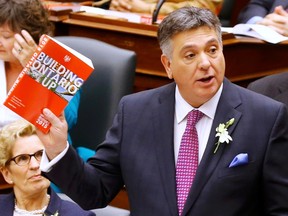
[167, 65]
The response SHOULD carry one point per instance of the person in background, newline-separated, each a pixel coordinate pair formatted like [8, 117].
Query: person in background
[22, 23]
[20, 154]
[148, 6]
[274, 86]
[240, 166]
[271, 13]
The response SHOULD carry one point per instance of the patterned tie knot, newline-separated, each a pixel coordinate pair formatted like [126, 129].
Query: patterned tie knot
[193, 117]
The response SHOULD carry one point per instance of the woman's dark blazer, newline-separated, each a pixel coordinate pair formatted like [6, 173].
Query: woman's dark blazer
[56, 204]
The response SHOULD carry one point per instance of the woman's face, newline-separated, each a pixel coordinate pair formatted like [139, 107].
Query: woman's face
[6, 43]
[27, 179]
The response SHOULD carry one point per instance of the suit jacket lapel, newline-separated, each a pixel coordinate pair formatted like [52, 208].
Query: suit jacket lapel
[229, 100]
[7, 204]
[163, 131]
[54, 204]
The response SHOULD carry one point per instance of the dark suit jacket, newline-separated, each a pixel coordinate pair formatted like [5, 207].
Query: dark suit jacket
[139, 152]
[260, 8]
[64, 208]
[274, 86]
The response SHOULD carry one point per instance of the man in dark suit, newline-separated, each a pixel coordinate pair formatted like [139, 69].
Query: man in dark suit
[272, 13]
[274, 86]
[246, 175]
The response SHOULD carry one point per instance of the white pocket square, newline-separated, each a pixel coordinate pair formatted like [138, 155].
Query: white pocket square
[239, 159]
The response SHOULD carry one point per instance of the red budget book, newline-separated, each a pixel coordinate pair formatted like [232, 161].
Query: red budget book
[51, 78]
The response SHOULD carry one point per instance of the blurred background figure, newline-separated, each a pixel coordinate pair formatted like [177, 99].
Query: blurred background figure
[271, 13]
[274, 86]
[22, 22]
[20, 154]
[148, 6]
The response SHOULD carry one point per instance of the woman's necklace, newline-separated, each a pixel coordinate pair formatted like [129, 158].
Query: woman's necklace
[23, 212]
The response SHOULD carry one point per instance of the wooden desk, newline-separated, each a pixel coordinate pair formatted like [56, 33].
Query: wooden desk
[140, 38]
[121, 200]
[246, 58]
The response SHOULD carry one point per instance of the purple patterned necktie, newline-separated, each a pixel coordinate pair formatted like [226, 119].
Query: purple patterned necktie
[187, 162]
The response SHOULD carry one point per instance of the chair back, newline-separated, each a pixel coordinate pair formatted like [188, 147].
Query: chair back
[112, 78]
[226, 13]
[230, 12]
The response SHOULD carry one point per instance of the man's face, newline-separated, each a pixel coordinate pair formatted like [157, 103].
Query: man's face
[197, 64]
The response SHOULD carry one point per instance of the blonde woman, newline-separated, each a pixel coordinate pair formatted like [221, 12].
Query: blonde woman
[20, 154]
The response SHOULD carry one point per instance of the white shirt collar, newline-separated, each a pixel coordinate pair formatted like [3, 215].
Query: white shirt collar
[182, 108]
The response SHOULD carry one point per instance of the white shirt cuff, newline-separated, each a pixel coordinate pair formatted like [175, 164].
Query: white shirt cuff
[46, 165]
[254, 20]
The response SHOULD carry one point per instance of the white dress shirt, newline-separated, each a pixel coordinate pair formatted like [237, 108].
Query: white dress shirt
[203, 127]
[6, 115]
[254, 20]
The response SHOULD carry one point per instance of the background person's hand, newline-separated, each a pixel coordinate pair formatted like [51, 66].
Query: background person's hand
[24, 47]
[136, 6]
[55, 141]
[120, 5]
[278, 20]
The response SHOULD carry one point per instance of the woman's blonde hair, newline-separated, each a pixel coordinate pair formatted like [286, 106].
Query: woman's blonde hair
[8, 136]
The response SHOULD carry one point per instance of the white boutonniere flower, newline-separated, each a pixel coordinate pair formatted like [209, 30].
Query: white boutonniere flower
[55, 214]
[222, 133]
